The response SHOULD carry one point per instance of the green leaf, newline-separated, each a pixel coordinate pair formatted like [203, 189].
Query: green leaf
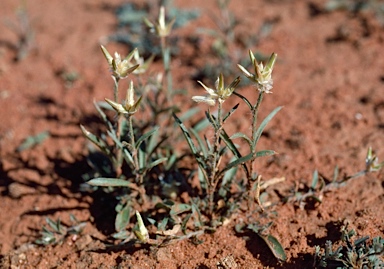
[264, 124]
[237, 162]
[335, 174]
[244, 99]
[170, 161]
[151, 221]
[200, 142]
[98, 106]
[315, 179]
[186, 134]
[239, 228]
[56, 226]
[184, 222]
[202, 179]
[32, 141]
[142, 156]
[163, 224]
[189, 141]
[97, 141]
[126, 154]
[167, 205]
[222, 151]
[243, 136]
[229, 176]
[128, 158]
[46, 231]
[154, 144]
[275, 246]
[197, 216]
[73, 218]
[157, 162]
[211, 119]
[264, 153]
[233, 148]
[179, 209]
[209, 146]
[145, 136]
[122, 218]
[230, 112]
[121, 235]
[110, 182]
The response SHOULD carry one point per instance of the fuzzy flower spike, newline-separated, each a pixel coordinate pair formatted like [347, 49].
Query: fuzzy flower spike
[263, 74]
[220, 93]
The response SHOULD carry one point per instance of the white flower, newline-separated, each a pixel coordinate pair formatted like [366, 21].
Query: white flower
[161, 28]
[129, 106]
[120, 68]
[220, 93]
[263, 74]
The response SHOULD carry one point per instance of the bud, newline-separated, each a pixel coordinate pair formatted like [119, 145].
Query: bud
[141, 231]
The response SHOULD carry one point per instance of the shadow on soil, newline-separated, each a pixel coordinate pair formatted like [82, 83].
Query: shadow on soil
[260, 251]
[102, 207]
[333, 234]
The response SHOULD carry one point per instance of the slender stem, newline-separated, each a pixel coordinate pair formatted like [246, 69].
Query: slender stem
[138, 175]
[165, 51]
[255, 110]
[116, 89]
[119, 151]
[213, 180]
[118, 129]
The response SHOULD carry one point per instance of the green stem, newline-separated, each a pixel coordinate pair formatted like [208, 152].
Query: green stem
[116, 89]
[139, 178]
[118, 129]
[166, 54]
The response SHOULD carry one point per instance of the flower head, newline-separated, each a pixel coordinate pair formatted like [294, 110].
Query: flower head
[120, 68]
[129, 106]
[143, 65]
[372, 162]
[161, 28]
[263, 74]
[220, 93]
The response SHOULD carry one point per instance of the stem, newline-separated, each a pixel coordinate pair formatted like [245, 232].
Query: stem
[255, 110]
[213, 180]
[118, 128]
[165, 51]
[116, 89]
[138, 175]
[119, 151]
